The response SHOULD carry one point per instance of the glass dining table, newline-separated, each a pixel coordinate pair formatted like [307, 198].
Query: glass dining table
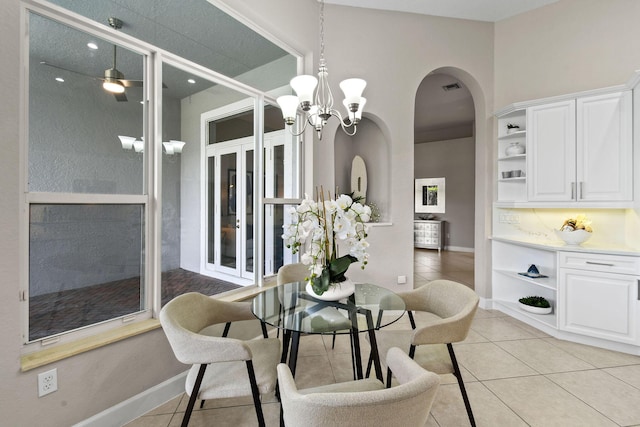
[290, 308]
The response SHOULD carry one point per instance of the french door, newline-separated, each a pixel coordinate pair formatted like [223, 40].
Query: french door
[230, 203]
[230, 208]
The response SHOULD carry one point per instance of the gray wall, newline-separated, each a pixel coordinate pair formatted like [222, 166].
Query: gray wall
[453, 160]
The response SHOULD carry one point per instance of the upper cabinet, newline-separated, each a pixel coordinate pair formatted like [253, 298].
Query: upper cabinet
[578, 150]
[552, 151]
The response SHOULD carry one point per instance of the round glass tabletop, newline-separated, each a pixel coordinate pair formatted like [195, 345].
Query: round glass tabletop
[290, 307]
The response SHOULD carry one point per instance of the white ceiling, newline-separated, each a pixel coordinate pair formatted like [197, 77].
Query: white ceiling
[478, 10]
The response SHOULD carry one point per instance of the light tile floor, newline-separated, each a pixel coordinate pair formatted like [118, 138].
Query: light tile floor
[515, 374]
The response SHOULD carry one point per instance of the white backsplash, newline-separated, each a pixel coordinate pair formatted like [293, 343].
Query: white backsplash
[612, 228]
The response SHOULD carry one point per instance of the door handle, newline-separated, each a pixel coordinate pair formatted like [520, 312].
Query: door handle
[573, 190]
[581, 190]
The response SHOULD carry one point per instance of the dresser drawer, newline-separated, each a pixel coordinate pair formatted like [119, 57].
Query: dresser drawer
[600, 262]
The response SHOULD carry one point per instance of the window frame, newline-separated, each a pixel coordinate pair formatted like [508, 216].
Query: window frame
[151, 197]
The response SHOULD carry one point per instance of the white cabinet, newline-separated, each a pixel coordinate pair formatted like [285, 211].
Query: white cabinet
[581, 150]
[598, 296]
[604, 159]
[552, 151]
[428, 234]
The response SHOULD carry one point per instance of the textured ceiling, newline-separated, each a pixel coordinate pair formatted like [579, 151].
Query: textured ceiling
[193, 29]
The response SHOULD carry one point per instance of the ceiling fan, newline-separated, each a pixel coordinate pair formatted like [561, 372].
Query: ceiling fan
[113, 80]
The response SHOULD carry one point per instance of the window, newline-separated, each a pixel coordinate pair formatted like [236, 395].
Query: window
[115, 230]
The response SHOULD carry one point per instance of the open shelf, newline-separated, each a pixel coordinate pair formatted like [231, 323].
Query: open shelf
[513, 309]
[516, 157]
[514, 135]
[545, 282]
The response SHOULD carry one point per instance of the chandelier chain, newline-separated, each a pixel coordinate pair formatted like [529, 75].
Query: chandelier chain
[322, 29]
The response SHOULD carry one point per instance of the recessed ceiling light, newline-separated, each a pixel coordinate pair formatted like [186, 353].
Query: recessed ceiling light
[60, 79]
[92, 45]
[191, 81]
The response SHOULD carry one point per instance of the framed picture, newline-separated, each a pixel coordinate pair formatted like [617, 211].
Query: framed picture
[429, 195]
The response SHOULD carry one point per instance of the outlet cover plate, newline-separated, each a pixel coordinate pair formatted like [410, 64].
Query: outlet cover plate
[47, 382]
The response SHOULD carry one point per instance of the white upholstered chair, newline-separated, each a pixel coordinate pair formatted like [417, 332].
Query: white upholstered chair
[446, 311]
[363, 402]
[222, 367]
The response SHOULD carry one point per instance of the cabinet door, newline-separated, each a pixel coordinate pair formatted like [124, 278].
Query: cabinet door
[597, 304]
[604, 147]
[551, 152]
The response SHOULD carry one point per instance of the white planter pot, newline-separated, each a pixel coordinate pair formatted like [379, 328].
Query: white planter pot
[535, 310]
[336, 291]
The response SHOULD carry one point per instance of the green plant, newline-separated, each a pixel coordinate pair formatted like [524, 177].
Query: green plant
[535, 302]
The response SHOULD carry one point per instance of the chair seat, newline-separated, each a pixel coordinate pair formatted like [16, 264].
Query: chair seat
[433, 357]
[367, 384]
[266, 355]
[328, 319]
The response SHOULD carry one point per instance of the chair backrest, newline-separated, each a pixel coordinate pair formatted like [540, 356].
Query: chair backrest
[292, 273]
[451, 301]
[186, 315]
[407, 404]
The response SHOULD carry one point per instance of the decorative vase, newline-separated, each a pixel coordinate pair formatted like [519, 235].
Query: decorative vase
[514, 149]
[573, 238]
[336, 291]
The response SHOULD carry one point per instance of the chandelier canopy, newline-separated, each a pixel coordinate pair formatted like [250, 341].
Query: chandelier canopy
[319, 108]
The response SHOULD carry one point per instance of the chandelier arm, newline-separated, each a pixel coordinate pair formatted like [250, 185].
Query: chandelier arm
[304, 127]
[336, 113]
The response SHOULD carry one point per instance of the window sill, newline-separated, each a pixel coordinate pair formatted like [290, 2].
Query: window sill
[44, 357]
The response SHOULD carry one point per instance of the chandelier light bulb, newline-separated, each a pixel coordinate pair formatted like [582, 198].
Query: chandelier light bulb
[352, 89]
[289, 106]
[304, 86]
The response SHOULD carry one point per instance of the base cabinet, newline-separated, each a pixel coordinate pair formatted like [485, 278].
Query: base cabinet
[594, 295]
[596, 300]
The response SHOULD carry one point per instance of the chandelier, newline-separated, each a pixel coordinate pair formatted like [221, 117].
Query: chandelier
[319, 108]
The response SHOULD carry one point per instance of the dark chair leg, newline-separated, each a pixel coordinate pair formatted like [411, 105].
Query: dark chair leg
[389, 377]
[333, 341]
[412, 320]
[194, 395]
[456, 372]
[256, 393]
[226, 329]
[264, 330]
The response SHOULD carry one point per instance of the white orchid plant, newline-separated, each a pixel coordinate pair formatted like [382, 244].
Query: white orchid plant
[322, 225]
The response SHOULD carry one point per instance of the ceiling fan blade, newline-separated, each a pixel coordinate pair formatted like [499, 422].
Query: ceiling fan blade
[48, 64]
[121, 97]
[131, 83]
[136, 83]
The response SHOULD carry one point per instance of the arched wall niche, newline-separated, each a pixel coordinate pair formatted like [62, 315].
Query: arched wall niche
[372, 145]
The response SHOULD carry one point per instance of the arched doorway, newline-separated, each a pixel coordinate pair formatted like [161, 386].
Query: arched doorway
[445, 151]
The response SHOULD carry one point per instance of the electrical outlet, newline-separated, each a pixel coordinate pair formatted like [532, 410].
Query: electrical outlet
[402, 280]
[47, 382]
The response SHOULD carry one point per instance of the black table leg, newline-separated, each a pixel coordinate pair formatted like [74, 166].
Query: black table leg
[356, 346]
[286, 338]
[293, 356]
[374, 346]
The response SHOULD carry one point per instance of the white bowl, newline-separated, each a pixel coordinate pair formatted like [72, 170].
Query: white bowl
[573, 238]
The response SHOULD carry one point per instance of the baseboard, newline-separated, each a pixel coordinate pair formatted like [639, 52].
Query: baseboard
[459, 249]
[138, 405]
